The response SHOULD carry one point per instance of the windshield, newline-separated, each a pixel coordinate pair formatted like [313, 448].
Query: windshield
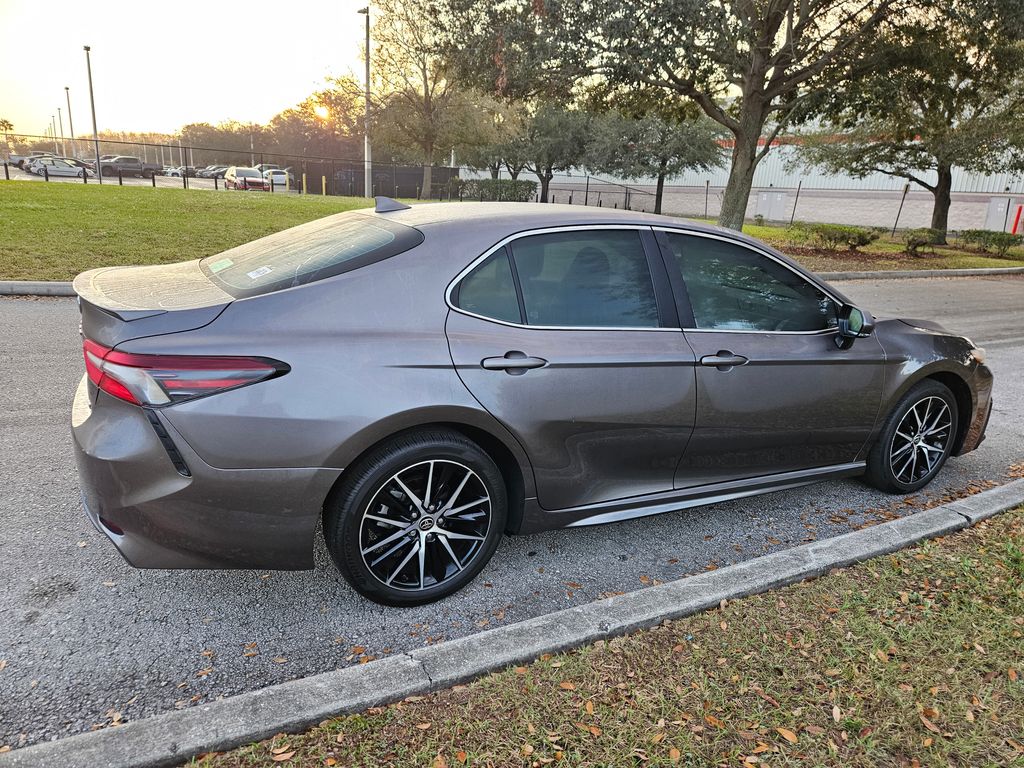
[250, 173]
[309, 252]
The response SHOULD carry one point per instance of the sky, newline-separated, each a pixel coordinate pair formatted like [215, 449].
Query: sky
[159, 66]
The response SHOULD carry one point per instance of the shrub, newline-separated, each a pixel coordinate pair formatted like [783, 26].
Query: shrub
[979, 237]
[490, 190]
[759, 220]
[986, 239]
[916, 239]
[832, 237]
[1002, 242]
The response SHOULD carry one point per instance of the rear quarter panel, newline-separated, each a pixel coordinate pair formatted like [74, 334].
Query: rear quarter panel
[368, 357]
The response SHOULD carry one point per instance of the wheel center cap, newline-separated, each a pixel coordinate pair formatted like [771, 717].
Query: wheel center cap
[918, 440]
[426, 523]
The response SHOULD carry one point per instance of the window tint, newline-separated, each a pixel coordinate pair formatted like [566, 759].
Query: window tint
[586, 279]
[309, 252]
[734, 288]
[489, 290]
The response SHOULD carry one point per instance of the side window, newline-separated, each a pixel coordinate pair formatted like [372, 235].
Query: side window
[594, 278]
[490, 291]
[734, 288]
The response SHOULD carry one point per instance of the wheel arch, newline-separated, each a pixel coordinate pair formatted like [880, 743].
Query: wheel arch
[501, 446]
[964, 397]
[956, 382]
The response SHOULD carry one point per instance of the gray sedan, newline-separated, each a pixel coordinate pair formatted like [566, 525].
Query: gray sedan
[426, 380]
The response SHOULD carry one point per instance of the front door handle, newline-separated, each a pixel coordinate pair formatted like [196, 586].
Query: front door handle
[513, 362]
[723, 361]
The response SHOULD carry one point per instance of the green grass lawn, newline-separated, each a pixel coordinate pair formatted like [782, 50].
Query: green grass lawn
[912, 659]
[54, 231]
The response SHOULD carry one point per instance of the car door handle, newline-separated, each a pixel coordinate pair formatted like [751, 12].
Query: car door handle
[513, 362]
[723, 361]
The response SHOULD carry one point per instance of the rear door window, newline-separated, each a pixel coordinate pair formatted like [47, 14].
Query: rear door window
[586, 279]
[307, 253]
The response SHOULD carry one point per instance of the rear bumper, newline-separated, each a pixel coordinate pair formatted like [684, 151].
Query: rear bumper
[158, 517]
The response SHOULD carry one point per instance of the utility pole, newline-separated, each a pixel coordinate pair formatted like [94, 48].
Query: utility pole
[367, 161]
[92, 105]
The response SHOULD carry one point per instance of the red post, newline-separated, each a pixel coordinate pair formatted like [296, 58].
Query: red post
[1016, 219]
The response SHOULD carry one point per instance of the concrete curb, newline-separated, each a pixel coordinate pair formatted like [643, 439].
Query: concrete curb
[54, 288]
[35, 288]
[903, 274]
[172, 738]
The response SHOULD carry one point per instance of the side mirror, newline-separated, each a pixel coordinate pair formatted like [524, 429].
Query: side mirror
[854, 323]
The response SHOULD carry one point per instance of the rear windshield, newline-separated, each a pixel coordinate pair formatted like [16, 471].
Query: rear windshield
[307, 253]
[249, 173]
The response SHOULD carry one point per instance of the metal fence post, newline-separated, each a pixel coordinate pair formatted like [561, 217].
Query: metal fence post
[906, 188]
[796, 200]
[707, 193]
[7, 171]
[215, 185]
[120, 178]
[85, 175]
[46, 173]
[303, 182]
[152, 179]
[184, 180]
[271, 183]
[323, 186]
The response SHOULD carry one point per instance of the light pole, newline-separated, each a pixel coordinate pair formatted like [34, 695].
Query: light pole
[367, 161]
[92, 105]
[71, 123]
[60, 123]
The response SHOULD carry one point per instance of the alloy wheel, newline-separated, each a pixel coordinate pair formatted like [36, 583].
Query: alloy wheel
[424, 525]
[921, 439]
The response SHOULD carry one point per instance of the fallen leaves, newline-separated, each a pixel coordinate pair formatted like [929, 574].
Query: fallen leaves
[279, 660]
[929, 724]
[422, 726]
[565, 685]
[787, 734]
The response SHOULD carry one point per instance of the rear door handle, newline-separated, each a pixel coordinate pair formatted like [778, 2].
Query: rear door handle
[513, 362]
[723, 361]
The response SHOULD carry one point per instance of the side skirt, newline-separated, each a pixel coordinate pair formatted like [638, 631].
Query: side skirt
[536, 518]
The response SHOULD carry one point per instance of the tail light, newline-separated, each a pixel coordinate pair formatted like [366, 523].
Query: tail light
[164, 379]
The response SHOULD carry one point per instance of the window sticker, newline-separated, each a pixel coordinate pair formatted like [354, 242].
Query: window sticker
[256, 274]
[217, 266]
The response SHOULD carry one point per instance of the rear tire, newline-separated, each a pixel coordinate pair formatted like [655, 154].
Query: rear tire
[916, 440]
[416, 519]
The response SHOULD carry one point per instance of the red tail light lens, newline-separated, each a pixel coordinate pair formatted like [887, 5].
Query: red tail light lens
[164, 379]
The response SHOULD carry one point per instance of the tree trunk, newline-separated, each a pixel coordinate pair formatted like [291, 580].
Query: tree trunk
[659, 190]
[741, 175]
[940, 211]
[428, 170]
[545, 180]
[495, 170]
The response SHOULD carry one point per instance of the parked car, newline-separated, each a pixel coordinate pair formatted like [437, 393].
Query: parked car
[279, 178]
[57, 166]
[244, 178]
[128, 166]
[563, 366]
[211, 171]
[22, 160]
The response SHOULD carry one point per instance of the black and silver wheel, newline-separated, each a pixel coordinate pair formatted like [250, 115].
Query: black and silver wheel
[417, 519]
[916, 440]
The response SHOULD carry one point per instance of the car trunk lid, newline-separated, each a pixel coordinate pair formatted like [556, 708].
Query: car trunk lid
[122, 303]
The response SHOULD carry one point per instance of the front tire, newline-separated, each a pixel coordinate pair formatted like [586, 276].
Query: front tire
[417, 519]
[916, 440]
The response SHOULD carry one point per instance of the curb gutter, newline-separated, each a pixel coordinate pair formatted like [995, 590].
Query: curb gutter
[173, 737]
[35, 288]
[903, 274]
[54, 288]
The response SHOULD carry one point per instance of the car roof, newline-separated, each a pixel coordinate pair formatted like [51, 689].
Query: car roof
[480, 223]
[518, 217]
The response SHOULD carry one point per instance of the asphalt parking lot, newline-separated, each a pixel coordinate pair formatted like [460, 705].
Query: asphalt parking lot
[86, 641]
